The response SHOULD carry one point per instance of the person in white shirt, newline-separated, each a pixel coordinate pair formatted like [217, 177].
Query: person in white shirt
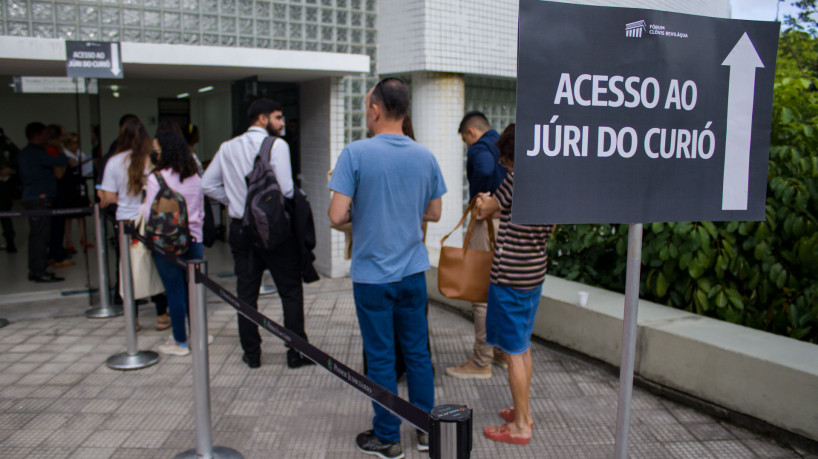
[224, 180]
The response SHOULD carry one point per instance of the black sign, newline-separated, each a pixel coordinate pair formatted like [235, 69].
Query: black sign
[632, 116]
[93, 59]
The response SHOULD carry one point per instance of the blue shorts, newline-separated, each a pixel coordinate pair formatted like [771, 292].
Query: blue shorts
[510, 317]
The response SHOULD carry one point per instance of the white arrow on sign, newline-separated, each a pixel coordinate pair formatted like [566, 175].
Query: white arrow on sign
[115, 69]
[743, 61]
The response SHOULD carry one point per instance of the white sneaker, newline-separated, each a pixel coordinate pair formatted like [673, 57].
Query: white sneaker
[174, 348]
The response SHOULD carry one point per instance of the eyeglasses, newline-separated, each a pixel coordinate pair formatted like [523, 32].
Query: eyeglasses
[380, 86]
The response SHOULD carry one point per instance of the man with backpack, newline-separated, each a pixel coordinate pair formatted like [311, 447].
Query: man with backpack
[226, 180]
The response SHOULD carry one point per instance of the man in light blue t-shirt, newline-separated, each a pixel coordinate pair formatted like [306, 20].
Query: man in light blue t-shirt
[388, 186]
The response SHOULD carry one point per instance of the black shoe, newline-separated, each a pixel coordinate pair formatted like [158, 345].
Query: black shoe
[252, 361]
[296, 360]
[11, 248]
[368, 443]
[46, 278]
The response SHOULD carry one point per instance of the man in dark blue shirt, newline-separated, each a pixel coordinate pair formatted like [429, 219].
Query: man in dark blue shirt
[485, 175]
[39, 188]
[483, 171]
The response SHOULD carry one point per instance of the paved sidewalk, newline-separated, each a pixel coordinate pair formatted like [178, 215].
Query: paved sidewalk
[59, 400]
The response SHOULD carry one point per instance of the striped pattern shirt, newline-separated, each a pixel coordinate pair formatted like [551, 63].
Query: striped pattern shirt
[519, 257]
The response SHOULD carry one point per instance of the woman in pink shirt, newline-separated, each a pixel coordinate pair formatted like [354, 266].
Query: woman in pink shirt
[178, 168]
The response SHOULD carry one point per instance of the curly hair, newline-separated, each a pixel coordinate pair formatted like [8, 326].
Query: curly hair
[505, 144]
[175, 155]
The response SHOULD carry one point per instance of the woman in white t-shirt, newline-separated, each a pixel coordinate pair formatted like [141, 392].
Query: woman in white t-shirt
[124, 175]
[122, 184]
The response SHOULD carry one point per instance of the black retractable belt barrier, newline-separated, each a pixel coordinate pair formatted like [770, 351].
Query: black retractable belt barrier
[377, 393]
[47, 212]
[387, 399]
[449, 426]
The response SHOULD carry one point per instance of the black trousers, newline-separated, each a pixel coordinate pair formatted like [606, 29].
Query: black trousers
[283, 263]
[39, 233]
[5, 205]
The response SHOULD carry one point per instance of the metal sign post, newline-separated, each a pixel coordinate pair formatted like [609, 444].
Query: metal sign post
[623, 415]
[132, 359]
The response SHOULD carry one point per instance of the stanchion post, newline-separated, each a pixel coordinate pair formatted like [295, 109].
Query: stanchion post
[197, 302]
[450, 432]
[133, 359]
[623, 415]
[105, 309]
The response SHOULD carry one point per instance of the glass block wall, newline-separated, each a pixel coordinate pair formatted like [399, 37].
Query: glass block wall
[339, 26]
[497, 99]
[343, 26]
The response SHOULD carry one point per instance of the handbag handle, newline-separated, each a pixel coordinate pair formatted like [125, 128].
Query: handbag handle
[470, 228]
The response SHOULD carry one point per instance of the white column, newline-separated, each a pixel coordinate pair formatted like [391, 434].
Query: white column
[437, 108]
[322, 139]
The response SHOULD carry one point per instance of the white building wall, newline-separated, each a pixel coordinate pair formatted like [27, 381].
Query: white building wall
[322, 136]
[436, 111]
[477, 36]
[337, 140]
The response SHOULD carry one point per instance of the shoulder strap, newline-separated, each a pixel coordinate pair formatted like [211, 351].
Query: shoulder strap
[161, 180]
[460, 223]
[266, 148]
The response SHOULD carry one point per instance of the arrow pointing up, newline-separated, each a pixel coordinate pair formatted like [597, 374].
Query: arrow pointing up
[115, 69]
[743, 61]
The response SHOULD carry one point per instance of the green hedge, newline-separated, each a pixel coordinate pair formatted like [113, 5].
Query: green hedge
[759, 274]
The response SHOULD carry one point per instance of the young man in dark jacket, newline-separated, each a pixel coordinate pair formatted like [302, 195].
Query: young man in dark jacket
[485, 174]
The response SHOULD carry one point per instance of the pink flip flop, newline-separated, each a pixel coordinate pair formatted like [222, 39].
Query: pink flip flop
[503, 435]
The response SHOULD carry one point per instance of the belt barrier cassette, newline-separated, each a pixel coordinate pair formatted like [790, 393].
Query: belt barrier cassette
[48, 212]
[398, 406]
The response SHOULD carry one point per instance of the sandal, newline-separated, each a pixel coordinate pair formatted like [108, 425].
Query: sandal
[508, 415]
[503, 435]
[163, 322]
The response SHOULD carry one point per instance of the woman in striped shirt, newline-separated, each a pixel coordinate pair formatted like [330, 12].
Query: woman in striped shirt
[517, 275]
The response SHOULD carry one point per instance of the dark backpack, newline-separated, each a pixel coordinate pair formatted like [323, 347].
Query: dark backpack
[266, 219]
[167, 224]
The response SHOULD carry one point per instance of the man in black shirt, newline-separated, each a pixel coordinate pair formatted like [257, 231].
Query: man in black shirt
[39, 188]
[8, 175]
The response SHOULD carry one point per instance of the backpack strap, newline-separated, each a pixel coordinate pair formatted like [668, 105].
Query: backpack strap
[266, 148]
[161, 180]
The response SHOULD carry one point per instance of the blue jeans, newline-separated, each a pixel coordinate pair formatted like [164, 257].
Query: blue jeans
[173, 278]
[384, 310]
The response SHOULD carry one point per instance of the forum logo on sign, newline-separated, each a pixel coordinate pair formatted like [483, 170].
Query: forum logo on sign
[635, 29]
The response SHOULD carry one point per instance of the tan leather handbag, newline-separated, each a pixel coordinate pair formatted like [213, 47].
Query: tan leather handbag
[464, 273]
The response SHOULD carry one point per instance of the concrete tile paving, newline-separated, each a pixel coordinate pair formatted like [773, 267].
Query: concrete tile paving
[59, 400]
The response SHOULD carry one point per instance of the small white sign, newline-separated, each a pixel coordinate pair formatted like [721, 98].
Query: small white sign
[55, 85]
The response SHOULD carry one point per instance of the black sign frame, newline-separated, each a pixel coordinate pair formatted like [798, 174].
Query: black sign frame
[703, 82]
